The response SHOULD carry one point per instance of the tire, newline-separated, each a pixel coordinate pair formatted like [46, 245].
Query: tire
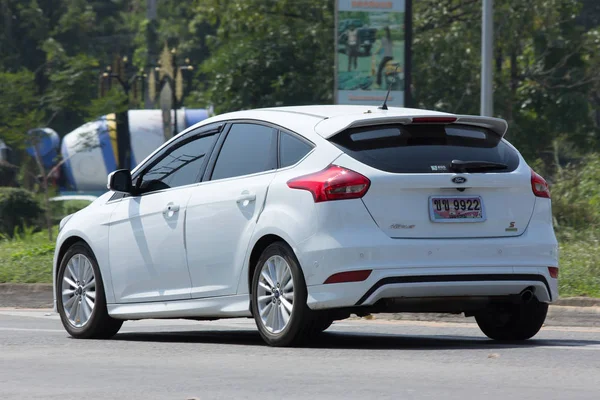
[77, 264]
[302, 323]
[514, 322]
[323, 324]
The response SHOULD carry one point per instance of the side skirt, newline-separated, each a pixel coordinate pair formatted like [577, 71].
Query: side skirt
[207, 308]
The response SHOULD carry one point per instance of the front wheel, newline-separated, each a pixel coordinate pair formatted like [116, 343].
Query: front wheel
[513, 322]
[80, 296]
[279, 298]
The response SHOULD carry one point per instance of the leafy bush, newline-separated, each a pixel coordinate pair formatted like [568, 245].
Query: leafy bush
[60, 209]
[18, 208]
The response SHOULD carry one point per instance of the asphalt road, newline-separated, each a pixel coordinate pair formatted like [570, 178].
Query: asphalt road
[354, 360]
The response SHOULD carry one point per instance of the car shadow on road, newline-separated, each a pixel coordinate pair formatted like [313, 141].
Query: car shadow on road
[351, 340]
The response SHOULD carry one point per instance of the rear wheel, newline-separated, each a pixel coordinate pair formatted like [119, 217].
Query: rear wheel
[279, 299]
[80, 296]
[513, 322]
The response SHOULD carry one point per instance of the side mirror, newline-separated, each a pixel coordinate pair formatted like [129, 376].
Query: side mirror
[120, 181]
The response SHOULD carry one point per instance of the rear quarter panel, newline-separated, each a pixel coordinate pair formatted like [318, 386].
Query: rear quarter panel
[290, 213]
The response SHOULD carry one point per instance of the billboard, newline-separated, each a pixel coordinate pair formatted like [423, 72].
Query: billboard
[372, 47]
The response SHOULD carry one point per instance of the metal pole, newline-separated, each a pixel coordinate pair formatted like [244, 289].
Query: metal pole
[487, 50]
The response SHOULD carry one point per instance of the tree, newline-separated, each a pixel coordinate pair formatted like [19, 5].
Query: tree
[546, 69]
[268, 53]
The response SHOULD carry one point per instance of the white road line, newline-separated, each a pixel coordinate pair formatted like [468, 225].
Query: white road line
[33, 330]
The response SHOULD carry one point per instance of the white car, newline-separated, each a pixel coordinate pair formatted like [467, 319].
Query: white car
[300, 216]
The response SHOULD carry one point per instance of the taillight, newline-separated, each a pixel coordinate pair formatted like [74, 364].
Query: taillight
[539, 185]
[332, 183]
[553, 271]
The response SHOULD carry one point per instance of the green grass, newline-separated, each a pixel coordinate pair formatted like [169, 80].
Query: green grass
[579, 263]
[28, 259]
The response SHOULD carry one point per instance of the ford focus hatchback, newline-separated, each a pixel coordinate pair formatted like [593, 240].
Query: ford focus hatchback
[300, 216]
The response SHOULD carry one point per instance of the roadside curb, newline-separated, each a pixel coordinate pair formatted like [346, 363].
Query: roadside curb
[578, 302]
[26, 295]
[570, 311]
[557, 316]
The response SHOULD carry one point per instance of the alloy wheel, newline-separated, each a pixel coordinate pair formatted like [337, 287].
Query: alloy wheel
[275, 294]
[78, 290]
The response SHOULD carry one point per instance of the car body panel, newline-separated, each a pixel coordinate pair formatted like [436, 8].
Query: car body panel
[221, 218]
[400, 203]
[147, 256]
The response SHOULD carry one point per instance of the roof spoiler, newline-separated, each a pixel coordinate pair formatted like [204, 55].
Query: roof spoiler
[496, 125]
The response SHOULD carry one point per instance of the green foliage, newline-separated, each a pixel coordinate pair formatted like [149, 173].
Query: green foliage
[27, 258]
[18, 208]
[576, 195]
[20, 110]
[546, 68]
[8, 174]
[579, 263]
[269, 53]
[60, 209]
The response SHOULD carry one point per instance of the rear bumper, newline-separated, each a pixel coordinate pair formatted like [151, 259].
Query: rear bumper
[434, 283]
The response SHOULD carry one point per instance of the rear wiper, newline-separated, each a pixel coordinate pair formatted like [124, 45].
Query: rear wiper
[464, 166]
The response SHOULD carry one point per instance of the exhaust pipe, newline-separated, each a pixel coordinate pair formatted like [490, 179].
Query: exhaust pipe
[527, 295]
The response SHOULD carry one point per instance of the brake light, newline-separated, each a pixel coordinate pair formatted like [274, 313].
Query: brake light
[349, 276]
[332, 183]
[553, 271]
[539, 185]
[433, 120]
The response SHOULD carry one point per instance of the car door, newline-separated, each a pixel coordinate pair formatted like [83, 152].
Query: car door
[223, 210]
[146, 237]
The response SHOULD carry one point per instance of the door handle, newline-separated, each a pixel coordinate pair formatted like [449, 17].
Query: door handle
[171, 208]
[246, 197]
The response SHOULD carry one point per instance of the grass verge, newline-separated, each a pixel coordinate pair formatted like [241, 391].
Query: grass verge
[579, 263]
[28, 259]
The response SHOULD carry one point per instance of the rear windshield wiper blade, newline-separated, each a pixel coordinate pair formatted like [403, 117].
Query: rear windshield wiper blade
[463, 166]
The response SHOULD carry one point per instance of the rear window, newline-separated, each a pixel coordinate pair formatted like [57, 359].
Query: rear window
[425, 148]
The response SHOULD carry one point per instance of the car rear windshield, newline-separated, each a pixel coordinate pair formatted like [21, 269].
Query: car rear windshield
[427, 148]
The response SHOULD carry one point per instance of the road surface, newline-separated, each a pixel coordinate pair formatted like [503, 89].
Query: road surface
[353, 360]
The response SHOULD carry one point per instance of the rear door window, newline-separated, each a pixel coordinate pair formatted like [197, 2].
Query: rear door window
[426, 148]
[248, 149]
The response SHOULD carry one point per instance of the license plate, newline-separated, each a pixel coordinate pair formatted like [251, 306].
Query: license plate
[456, 209]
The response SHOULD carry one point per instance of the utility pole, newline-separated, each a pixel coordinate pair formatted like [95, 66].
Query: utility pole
[487, 50]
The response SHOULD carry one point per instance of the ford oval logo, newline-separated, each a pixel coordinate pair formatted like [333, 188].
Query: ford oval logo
[459, 179]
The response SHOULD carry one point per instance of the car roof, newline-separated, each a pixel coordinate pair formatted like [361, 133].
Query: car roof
[328, 120]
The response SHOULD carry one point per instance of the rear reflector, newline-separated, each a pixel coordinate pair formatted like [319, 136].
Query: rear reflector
[553, 272]
[332, 183]
[433, 120]
[539, 185]
[350, 276]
